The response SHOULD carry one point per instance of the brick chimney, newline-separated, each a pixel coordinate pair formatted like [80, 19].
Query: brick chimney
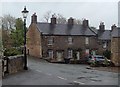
[53, 19]
[113, 26]
[34, 18]
[102, 26]
[71, 21]
[85, 23]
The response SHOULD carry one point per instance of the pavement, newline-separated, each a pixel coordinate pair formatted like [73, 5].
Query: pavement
[41, 72]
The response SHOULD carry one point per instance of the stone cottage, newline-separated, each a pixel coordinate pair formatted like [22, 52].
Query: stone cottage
[104, 38]
[59, 41]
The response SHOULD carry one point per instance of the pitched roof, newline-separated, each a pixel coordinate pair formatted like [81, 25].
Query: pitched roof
[104, 35]
[63, 29]
[115, 32]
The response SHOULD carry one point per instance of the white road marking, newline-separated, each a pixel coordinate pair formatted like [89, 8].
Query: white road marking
[92, 81]
[61, 78]
[38, 71]
[78, 82]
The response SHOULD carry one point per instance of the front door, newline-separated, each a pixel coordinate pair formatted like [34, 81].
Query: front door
[59, 56]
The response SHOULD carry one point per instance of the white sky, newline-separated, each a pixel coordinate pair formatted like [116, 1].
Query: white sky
[93, 10]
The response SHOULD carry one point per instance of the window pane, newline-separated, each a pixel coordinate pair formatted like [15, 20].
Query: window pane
[70, 40]
[69, 53]
[50, 41]
[86, 40]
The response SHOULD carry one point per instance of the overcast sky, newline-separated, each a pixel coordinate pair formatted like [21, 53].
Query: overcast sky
[94, 11]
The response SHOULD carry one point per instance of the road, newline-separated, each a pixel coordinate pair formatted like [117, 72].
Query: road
[43, 73]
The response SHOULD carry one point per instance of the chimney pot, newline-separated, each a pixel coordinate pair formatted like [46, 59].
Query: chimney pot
[113, 26]
[102, 26]
[53, 19]
[85, 23]
[71, 21]
[34, 18]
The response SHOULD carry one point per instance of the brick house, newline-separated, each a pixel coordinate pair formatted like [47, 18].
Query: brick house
[59, 41]
[115, 46]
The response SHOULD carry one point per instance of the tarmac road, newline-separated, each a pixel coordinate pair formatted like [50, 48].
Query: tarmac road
[43, 73]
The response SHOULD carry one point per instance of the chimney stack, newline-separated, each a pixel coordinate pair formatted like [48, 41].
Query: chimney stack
[85, 23]
[34, 18]
[113, 26]
[70, 21]
[53, 19]
[102, 26]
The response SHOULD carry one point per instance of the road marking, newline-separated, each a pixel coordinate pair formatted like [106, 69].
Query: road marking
[92, 81]
[38, 71]
[78, 82]
[61, 78]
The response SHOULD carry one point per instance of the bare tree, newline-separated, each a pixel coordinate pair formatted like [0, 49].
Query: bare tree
[61, 19]
[77, 21]
[47, 16]
[8, 22]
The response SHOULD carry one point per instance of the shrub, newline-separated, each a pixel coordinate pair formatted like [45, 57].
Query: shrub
[12, 52]
[106, 62]
[93, 64]
[107, 54]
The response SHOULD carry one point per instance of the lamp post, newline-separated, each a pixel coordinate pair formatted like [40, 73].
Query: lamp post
[25, 13]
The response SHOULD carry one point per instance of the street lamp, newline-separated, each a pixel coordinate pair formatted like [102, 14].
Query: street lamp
[25, 13]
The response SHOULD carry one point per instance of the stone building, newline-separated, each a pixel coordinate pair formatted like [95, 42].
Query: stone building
[115, 46]
[104, 38]
[59, 41]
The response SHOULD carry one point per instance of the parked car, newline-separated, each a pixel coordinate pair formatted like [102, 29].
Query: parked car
[98, 60]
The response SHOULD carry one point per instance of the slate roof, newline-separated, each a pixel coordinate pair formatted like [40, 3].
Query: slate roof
[108, 34]
[116, 32]
[104, 35]
[64, 29]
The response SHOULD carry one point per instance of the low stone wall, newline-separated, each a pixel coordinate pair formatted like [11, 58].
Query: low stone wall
[12, 64]
[15, 63]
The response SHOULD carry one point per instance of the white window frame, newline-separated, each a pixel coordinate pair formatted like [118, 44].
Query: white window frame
[70, 53]
[105, 45]
[87, 51]
[86, 40]
[70, 40]
[50, 41]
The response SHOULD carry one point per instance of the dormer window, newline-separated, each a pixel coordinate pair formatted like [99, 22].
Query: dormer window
[50, 41]
[70, 40]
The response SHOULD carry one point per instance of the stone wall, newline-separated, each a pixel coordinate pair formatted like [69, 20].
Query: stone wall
[34, 41]
[60, 43]
[100, 46]
[14, 64]
[115, 50]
